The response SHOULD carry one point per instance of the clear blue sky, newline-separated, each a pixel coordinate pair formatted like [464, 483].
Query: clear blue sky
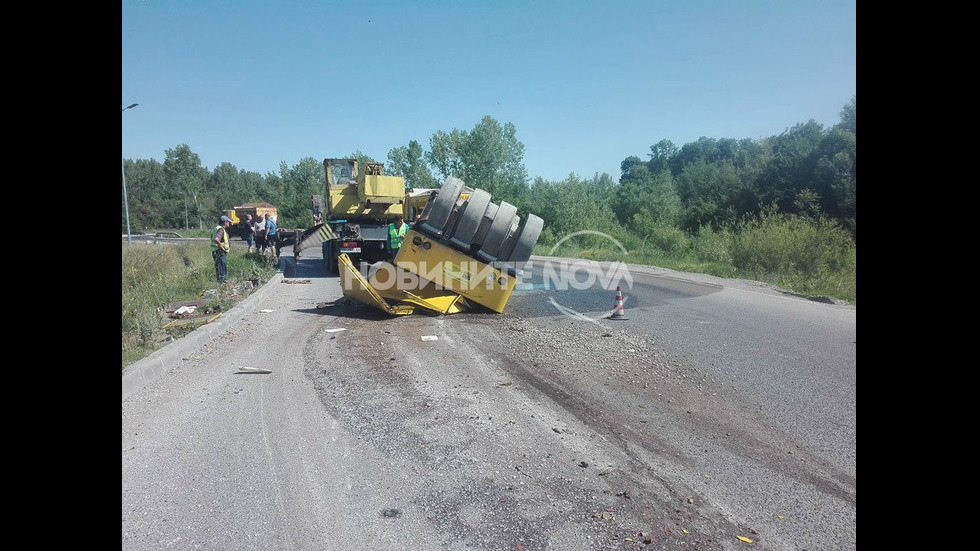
[586, 84]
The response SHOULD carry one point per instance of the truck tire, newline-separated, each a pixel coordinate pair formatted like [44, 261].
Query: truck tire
[473, 212]
[527, 239]
[485, 223]
[446, 198]
[498, 231]
[510, 240]
[329, 258]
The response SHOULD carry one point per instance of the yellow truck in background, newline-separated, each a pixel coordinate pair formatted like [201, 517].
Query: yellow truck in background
[257, 210]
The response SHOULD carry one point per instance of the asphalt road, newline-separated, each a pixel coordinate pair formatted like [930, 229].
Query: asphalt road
[720, 409]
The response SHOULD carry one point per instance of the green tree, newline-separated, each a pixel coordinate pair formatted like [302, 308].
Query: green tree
[409, 162]
[183, 171]
[661, 154]
[706, 190]
[848, 117]
[152, 204]
[446, 153]
[493, 158]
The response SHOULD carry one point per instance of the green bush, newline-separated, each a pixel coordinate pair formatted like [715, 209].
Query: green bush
[710, 245]
[795, 248]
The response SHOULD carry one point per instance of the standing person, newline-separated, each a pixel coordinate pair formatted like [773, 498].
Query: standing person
[396, 234]
[220, 248]
[271, 235]
[258, 227]
[249, 232]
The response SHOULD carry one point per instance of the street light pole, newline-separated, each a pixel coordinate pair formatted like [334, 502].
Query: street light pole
[129, 237]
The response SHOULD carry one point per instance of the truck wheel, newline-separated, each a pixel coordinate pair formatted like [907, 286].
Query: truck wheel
[508, 246]
[329, 258]
[442, 206]
[527, 240]
[498, 231]
[485, 223]
[473, 212]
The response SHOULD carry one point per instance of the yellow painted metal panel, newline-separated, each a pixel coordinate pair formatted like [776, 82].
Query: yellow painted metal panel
[454, 271]
[356, 288]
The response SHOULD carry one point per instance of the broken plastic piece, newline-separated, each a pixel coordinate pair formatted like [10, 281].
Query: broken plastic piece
[336, 330]
[429, 338]
[253, 370]
[743, 538]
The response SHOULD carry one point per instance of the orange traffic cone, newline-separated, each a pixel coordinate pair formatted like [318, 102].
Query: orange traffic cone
[618, 313]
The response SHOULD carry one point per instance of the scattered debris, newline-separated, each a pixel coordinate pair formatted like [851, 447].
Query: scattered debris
[295, 281]
[175, 306]
[336, 330]
[391, 513]
[508, 383]
[429, 338]
[685, 531]
[583, 464]
[745, 539]
[605, 515]
[266, 310]
[556, 430]
[253, 370]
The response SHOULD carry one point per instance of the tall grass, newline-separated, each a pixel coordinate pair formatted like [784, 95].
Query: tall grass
[806, 255]
[154, 276]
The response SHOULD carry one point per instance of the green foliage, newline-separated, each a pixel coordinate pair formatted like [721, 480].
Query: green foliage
[667, 238]
[774, 243]
[154, 276]
[409, 162]
[710, 245]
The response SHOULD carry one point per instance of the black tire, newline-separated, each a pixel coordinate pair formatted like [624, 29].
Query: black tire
[466, 228]
[485, 223]
[498, 231]
[446, 198]
[527, 239]
[510, 240]
[330, 258]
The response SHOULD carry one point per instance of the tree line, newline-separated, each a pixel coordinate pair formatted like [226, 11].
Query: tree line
[808, 170]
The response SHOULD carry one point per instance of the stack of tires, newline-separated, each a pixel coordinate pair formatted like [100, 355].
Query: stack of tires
[486, 231]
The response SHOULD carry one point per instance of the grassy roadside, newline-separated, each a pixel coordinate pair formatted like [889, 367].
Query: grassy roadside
[797, 254]
[154, 276]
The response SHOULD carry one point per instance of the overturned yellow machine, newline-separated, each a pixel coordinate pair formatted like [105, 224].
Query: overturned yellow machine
[464, 252]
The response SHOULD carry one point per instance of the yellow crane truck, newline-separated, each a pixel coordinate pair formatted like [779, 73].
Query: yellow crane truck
[462, 250]
[359, 206]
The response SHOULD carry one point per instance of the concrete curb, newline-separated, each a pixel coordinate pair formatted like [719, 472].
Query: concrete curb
[139, 373]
